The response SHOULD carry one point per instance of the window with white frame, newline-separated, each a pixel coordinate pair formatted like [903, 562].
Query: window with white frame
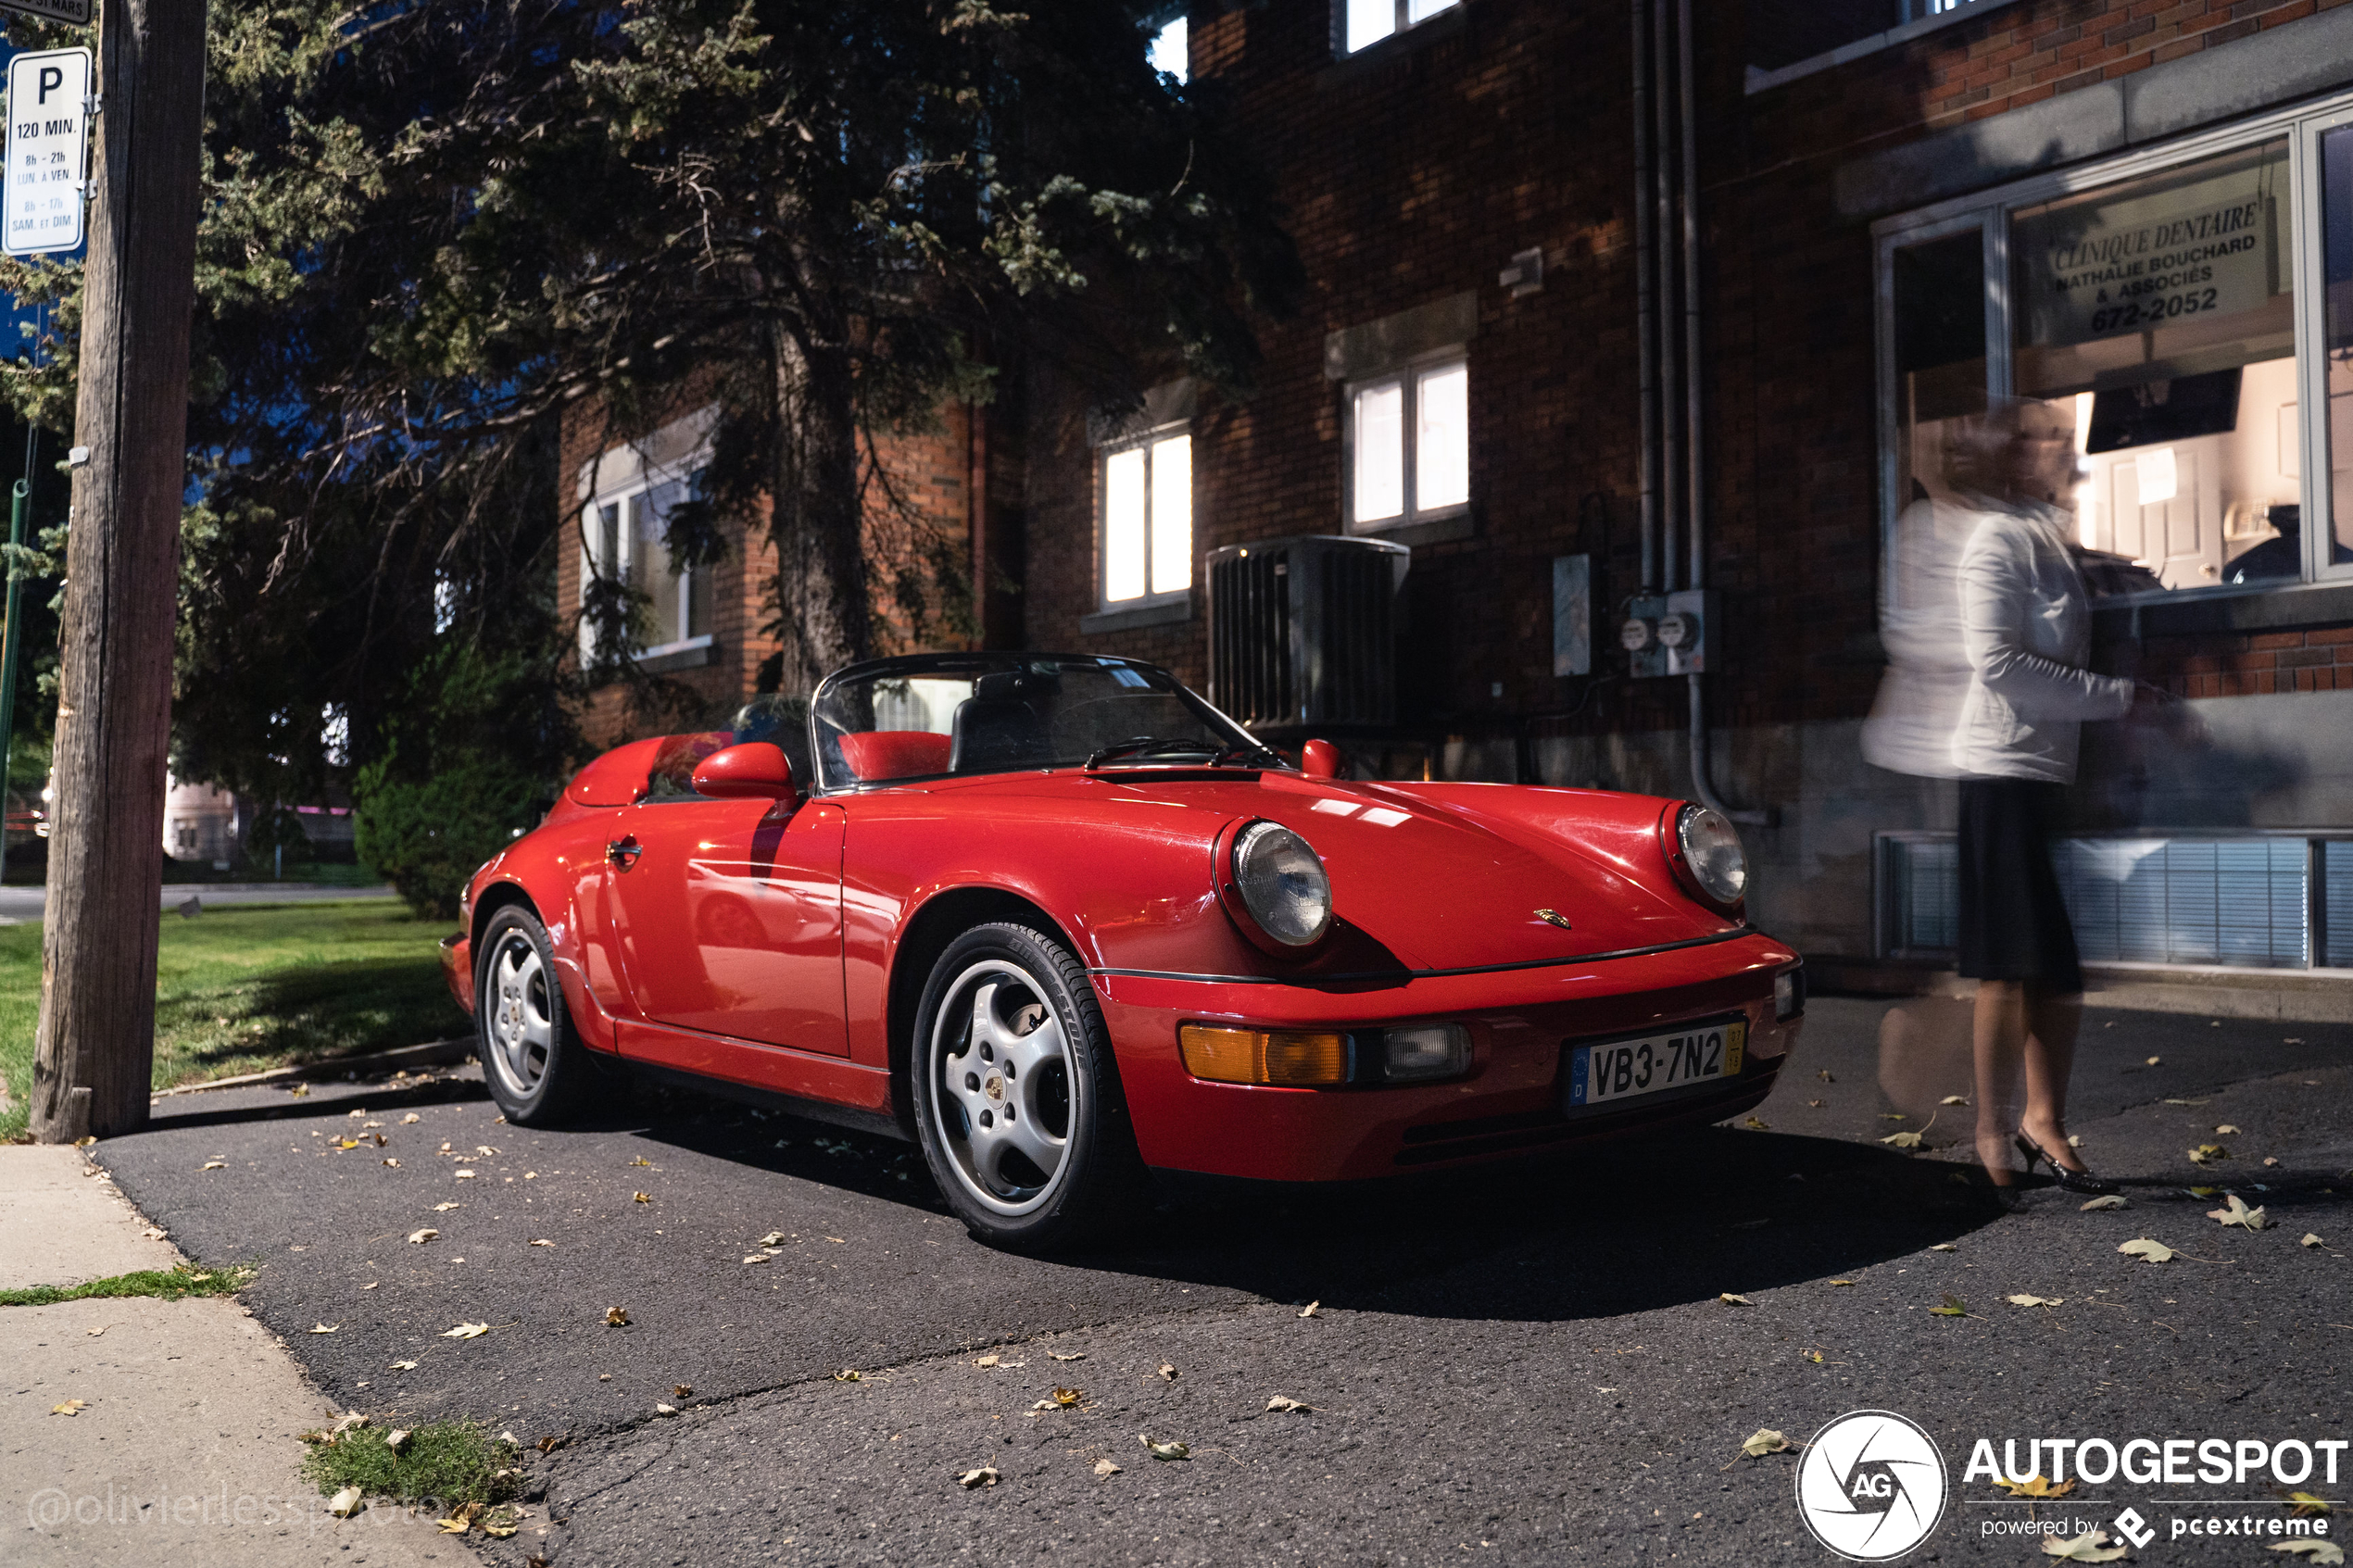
[1363, 23]
[628, 542]
[1409, 444]
[2180, 305]
[1147, 519]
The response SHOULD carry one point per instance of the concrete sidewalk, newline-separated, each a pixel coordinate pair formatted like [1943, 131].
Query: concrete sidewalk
[185, 1448]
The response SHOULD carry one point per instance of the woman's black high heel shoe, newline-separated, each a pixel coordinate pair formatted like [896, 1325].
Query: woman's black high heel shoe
[2073, 1180]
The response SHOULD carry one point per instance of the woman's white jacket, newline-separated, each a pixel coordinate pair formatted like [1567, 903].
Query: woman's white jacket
[2026, 629]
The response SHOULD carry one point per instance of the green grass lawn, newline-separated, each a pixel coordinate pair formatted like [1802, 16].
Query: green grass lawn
[241, 989]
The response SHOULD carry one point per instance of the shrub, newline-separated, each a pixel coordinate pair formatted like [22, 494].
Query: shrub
[429, 836]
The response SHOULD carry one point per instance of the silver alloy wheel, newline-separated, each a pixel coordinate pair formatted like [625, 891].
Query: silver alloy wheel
[1004, 1094]
[519, 1015]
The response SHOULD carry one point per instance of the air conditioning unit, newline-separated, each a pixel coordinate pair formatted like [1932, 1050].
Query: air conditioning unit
[1301, 631]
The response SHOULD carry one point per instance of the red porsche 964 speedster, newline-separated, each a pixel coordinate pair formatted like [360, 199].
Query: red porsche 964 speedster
[1062, 923]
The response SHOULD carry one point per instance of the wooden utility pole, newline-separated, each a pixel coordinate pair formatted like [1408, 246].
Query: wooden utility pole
[95, 1049]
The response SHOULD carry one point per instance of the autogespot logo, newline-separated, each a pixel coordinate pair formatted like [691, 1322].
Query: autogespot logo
[1871, 1486]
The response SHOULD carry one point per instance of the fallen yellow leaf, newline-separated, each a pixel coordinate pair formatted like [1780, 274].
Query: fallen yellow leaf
[2085, 1548]
[2236, 1213]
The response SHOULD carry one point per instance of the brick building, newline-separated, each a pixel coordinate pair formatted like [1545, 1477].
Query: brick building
[1519, 359]
[708, 634]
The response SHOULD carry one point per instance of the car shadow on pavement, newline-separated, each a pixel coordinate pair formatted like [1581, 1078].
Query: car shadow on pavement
[1625, 1228]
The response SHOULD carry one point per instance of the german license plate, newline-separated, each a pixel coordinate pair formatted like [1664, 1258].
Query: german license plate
[1625, 1069]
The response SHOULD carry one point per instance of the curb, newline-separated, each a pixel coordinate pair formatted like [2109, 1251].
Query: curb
[432, 1054]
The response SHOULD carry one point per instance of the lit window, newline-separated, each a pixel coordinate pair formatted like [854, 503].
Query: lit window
[628, 540]
[1169, 53]
[1441, 473]
[1148, 520]
[1409, 436]
[1365, 22]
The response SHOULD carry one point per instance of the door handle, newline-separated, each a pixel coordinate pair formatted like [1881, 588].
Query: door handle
[623, 852]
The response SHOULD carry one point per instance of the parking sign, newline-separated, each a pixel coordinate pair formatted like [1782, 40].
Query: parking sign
[48, 124]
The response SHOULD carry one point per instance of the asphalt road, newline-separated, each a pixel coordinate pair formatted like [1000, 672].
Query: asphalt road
[1528, 1366]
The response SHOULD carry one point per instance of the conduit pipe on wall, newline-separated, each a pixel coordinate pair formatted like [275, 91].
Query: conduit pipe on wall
[1667, 182]
[1663, 251]
[1645, 309]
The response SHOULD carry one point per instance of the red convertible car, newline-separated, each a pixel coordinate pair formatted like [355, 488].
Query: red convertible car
[1062, 923]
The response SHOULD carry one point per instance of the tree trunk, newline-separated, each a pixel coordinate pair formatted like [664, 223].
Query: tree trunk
[822, 605]
[96, 1046]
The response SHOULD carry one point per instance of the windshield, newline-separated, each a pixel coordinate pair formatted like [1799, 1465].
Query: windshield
[984, 713]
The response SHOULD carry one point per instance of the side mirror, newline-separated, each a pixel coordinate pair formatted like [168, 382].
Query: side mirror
[754, 770]
[1321, 760]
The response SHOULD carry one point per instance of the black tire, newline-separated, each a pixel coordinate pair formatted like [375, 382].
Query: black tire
[538, 1071]
[984, 1022]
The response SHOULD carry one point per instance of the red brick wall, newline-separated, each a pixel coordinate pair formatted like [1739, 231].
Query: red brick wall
[2254, 665]
[1412, 174]
[931, 471]
[2030, 52]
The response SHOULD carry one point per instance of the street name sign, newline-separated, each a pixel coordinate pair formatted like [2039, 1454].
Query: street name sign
[74, 11]
[48, 127]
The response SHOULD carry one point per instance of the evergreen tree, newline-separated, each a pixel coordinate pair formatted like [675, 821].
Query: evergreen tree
[434, 226]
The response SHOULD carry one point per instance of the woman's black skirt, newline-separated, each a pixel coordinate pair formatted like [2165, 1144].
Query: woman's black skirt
[2013, 924]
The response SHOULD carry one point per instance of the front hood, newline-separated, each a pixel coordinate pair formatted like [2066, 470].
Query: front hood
[1442, 876]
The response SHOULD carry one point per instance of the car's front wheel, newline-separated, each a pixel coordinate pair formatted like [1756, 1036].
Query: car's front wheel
[537, 1070]
[1017, 1093]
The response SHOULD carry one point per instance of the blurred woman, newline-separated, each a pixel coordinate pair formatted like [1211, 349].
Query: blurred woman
[2026, 634]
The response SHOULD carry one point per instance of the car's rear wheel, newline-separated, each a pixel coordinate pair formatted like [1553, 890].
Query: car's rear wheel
[1017, 1093]
[532, 1057]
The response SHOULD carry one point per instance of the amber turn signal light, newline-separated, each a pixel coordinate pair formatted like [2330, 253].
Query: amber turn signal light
[1287, 1057]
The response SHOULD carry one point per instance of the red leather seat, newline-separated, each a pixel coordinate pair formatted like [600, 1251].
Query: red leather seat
[894, 754]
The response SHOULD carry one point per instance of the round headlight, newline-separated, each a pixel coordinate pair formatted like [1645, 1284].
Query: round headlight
[1283, 884]
[1712, 849]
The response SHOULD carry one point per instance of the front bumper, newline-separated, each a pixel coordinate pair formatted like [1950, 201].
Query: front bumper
[458, 968]
[1523, 1024]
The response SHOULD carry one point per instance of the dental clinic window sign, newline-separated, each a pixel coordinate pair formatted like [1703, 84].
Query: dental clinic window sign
[48, 127]
[2209, 246]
